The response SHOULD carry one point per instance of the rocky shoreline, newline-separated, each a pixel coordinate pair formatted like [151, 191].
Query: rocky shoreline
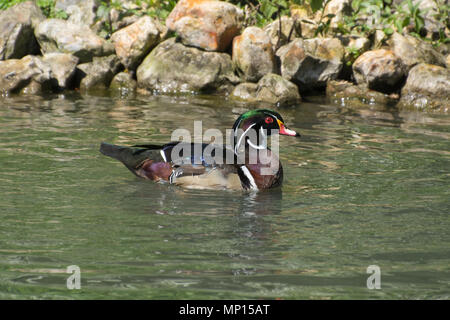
[205, 47]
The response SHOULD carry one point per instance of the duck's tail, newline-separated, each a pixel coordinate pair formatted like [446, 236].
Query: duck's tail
[131, 157]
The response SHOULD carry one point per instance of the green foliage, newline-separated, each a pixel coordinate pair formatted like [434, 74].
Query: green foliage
[317, 4]
[47, 7]
[49, 10]
[158, 8]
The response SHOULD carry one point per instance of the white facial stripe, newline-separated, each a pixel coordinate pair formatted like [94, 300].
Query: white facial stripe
[163, 155]
[263, 145]
[250, 178]
[236, 147]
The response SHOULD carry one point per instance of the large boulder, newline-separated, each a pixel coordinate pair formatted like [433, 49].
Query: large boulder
[134, 42]
[63, 66]
[272, 89]
[253, 54]
[56, 35]
[427, 88]
[311, 63]
[413, 51]
[289, 27]
[207, 24]
[28, 75]
[380, 70]
[17, 30]
[173, 67]
[79, 11]
[97, 75]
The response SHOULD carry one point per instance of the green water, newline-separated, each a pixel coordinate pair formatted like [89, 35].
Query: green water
[362, 187]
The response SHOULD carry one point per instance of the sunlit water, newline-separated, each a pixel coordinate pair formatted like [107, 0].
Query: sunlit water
[362, 187]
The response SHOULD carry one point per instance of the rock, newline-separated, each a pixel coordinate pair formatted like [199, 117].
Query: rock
[413, 51]
[355, 43]
[275, 89]
[207, 24]
[79, 11]
[123, 83]
[308, 28]
[173, 67]
[311, 63]
[427, 88]
[253, 54]
[354, 47]
[340, 9]
[245, 91]
[98, 74]
[378, 39]
[17, 30]
[134, 42]
[272, 89]
[288, 26]
[63, 66]
[380, 69]
[347, 94]
[56, 35]
[28, 75]
[122, 19]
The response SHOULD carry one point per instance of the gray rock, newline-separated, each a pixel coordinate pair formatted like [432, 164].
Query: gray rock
[272, 89]
[173, 67]
[253, 55]
[63, 66]
[134, 42]
[79, 11]
[123, 83]
[275, 89]
[288, 26]
[210, 25]
[427, 88]
[413, 51]
[380, 69]
[122, 19]
[17, 30]
[98, 74]
[56, 35]
[311, 63]
[340, 9]
[28, 75]
[245, 91]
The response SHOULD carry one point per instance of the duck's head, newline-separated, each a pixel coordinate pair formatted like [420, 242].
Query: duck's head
[264, 122]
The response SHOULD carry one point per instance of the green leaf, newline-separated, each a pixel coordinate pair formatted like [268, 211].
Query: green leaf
[388, 31]
[419, 22]
[356, 4]
[316, 4]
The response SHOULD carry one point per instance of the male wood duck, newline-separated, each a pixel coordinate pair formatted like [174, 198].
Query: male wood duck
[248, 164]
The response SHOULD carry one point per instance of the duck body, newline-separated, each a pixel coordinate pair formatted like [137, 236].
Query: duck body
[197, 165]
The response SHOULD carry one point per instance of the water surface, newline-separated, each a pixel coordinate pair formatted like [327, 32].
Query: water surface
[362, 187]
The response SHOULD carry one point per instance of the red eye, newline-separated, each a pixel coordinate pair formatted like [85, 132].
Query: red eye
[269, 120]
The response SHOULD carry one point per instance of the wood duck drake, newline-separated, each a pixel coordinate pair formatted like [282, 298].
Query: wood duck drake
[246, 164]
